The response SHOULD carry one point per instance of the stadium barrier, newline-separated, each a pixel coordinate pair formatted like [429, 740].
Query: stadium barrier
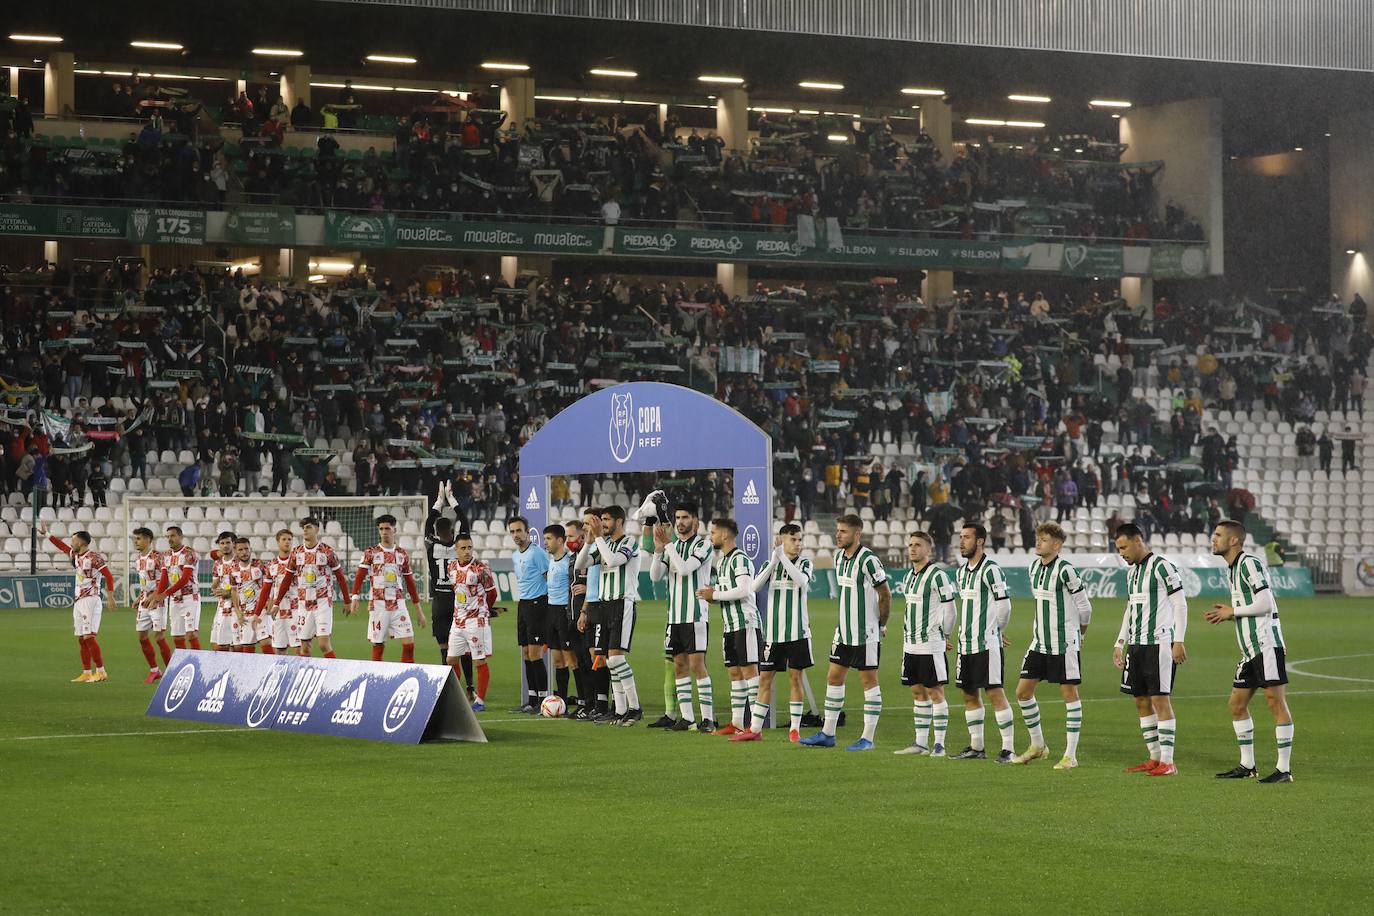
[380, 701]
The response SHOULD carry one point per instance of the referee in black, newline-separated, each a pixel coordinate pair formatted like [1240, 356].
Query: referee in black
[531, 565]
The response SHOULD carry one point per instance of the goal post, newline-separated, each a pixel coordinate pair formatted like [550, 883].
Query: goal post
[348, 521]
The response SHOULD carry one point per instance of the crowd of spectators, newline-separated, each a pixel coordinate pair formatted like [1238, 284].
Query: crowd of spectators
[1007, 406]
[449, 157]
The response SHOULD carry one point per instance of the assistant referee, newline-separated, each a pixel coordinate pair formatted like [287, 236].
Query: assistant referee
[532, 622]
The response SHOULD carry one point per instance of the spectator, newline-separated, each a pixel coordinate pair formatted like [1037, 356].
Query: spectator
[1325, 448]
[189, 479]
[1066, 496]
[1348, 441]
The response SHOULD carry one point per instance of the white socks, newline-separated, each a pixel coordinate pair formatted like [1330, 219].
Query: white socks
[940, 721]
[623, 683]
[921, 710]
[1245, 737]
[1167, 730]
[682, 689]
[974, 719]
[834, 703]
[873, 707]
[1030, 714]
[1149, 730]
[1006, 722]
[1073, 724]
[1284, 734]
[704, 699]
[794, 709]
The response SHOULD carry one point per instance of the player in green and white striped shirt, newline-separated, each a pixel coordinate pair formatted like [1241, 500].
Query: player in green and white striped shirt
[1261, 667]
[685, 562]
[611, 619]
[984, 612]
[926, 633]
[865, 603]
[786, 628]
[743, 642]
[1150, 645]
[1062, 615]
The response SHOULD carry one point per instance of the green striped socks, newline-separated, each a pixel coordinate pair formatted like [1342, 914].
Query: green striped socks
[922, 714]
[1284, 734]
[974, 719]
[669, 687]
[1030, 714]
[940, 721]
[873, 707]
[1167, 730]
[1245, 737]
[683, 689]
[1149, 730]
[739, 701]
[834, 703]
[1006, 724]
[1073, 724]
[795, 709]
[704, 698]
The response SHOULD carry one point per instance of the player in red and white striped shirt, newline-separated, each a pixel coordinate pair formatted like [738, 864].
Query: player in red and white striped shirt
[86, 605]
[248, 578]
[177, 586]
[388, 566]
[228, 618]
[148, 566]
[283, 618]
[314, 568]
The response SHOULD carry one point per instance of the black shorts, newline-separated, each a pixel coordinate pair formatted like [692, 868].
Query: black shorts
[979, 670]
[532, 625]
[562, 627]
[925, 669]
[441, 615]
[862, 658]
[685, 639]
[743, 647]
[1057, 669]
[1264, 670]
[780, 656]
[1149, 670]
[611, 625]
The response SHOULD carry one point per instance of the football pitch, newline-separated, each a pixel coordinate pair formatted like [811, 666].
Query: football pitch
[104, 809]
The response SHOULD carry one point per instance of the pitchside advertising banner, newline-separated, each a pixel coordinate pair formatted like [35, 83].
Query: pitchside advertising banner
[380, 701]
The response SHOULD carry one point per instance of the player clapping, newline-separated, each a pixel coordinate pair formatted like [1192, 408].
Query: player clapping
[387, 565]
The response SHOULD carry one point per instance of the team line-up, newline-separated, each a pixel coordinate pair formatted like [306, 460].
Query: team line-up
[578, 601]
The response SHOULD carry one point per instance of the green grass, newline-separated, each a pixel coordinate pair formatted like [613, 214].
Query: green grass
[567, 816]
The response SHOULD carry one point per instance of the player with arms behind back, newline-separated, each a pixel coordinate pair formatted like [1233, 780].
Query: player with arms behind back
[1149, 647]
[248, 579]
[283, 617]
[315, 568]
[149, 618]
[224, 632]
[474, 600]
[786, 628]
[91, 569]
[865, 603]
[926, 628]
[1062, 615]
[1261, 665]
[387, 566]
[742, 639]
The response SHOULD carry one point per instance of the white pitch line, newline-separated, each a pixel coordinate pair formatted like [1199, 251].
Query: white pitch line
[1294, 668]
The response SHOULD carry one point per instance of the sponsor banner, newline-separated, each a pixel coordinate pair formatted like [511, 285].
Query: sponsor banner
[62, 222]
[1175, 262]
[380, 701]
[166, 226]
[43, 590]
[718, 245]
[261, 225]
[359, 230]
[1092, 260]
[498, 237]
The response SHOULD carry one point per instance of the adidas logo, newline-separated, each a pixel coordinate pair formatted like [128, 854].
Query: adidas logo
[213, 701]
[532, 501]
[351, 712]
[751, 495]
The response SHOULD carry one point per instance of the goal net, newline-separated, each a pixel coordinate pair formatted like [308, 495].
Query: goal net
[349, 527]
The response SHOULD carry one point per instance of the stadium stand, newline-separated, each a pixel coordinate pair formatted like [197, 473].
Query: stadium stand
[999, 405]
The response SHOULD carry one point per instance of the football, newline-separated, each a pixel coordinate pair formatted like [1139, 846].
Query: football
[553, 707]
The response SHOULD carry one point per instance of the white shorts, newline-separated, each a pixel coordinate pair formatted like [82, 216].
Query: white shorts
[151, 618]
[284, 633]
[184, 615]
[470, 637]
[261, 627]
[86, 616]
[224, 630]
[383, 624]
[314, 618]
